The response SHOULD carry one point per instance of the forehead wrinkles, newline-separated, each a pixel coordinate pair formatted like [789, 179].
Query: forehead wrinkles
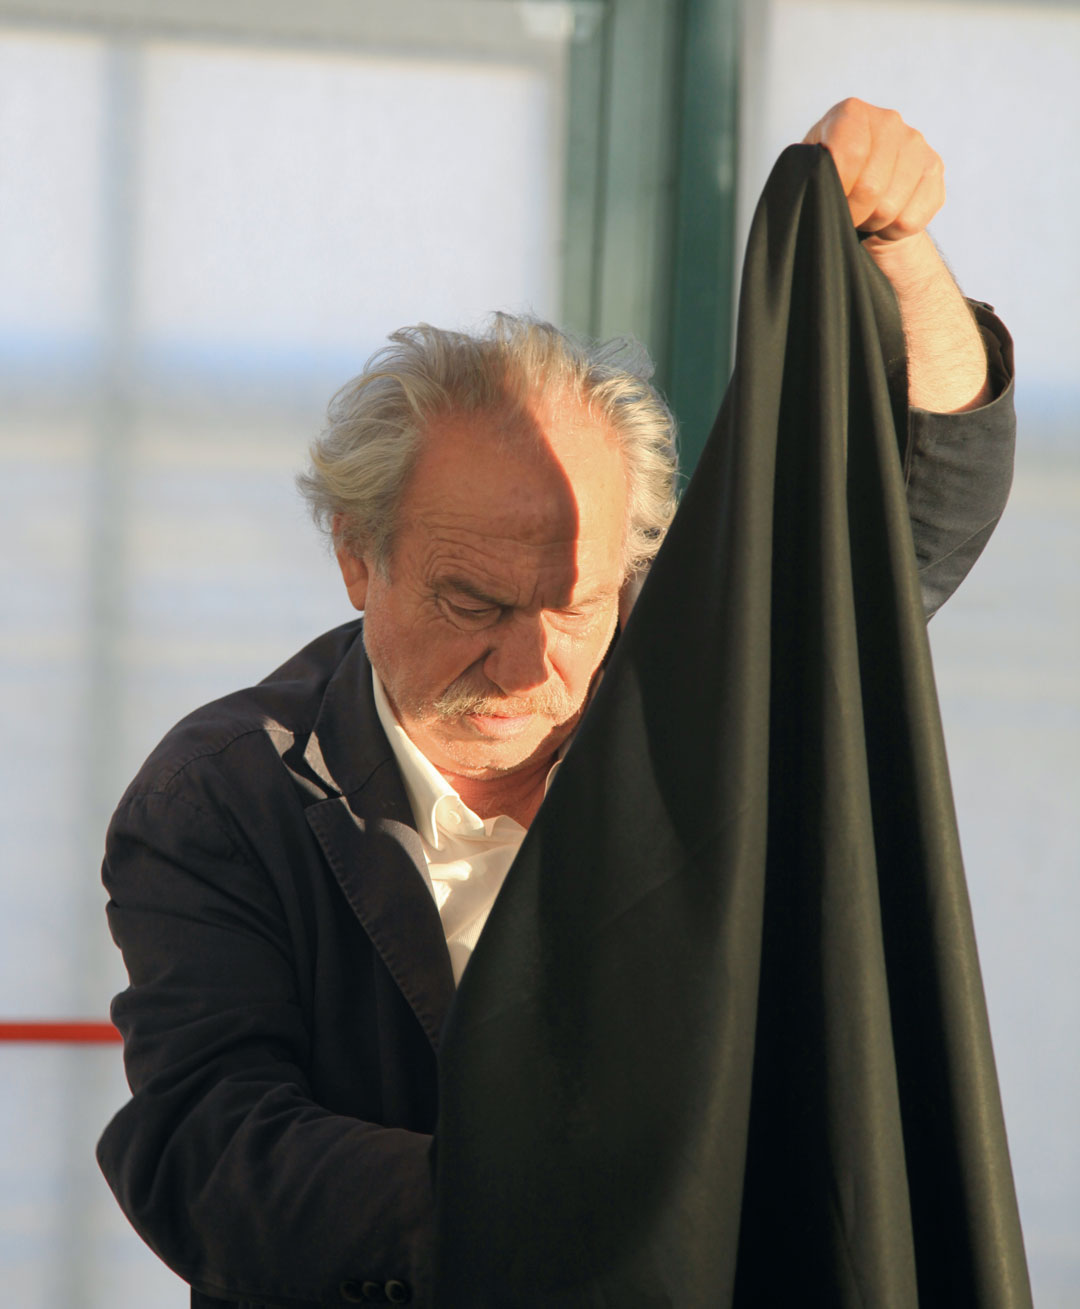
[508, 568]
[529, 519]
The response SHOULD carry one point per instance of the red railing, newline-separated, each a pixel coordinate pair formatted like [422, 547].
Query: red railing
[62, 1030]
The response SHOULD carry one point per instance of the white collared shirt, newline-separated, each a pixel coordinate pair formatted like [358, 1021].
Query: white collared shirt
[467, 856]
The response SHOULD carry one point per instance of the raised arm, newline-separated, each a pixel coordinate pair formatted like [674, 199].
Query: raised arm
[961, 434]
[895, 184]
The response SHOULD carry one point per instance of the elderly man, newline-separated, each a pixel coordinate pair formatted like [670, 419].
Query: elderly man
[300, 871]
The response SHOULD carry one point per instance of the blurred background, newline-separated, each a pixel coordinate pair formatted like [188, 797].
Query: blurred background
[212, 212]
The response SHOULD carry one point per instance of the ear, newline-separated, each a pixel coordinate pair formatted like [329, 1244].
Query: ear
[354, 570]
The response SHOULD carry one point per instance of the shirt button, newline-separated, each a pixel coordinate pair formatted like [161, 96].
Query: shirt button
[397, 1293]
[453, 818]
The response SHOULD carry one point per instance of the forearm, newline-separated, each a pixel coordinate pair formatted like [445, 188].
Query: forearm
[947, 366]
[253, 1192]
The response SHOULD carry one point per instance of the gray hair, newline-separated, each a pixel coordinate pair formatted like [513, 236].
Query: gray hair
[362, 460]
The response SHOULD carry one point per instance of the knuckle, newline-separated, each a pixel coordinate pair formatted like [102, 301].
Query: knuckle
[853, 105]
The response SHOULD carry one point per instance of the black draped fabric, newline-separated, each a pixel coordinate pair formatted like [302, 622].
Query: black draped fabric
[723, 1041]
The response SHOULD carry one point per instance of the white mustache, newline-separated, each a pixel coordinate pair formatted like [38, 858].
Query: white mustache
[460, 698]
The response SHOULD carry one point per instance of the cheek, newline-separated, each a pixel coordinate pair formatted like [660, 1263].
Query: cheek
[429, 659]
[394, 627]
[578, 657]
[392, 648]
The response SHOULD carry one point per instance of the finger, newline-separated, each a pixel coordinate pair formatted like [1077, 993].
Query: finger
[845, 132]
[927, 199]
[889, 205]
[879, 174]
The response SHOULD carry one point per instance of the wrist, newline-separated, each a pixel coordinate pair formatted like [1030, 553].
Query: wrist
[947, 370]
[912, 263]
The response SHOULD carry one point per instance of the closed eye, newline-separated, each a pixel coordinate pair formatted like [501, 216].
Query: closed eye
[472, 615]
[586, 610]
[473, 611]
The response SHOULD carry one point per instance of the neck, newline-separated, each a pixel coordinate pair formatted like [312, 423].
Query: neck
[517, 794]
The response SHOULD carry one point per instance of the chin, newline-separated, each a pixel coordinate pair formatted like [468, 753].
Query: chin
[483, 759]
[488, 762]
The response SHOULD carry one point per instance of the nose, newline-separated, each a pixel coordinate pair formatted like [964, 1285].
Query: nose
[518, 661]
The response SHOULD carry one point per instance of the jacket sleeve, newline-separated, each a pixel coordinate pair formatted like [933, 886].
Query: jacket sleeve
[223, 1161]
[958, 471]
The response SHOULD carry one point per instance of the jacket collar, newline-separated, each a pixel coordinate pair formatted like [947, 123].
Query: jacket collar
[366, 831]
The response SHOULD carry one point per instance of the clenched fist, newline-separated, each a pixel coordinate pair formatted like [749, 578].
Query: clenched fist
[894, 181]
[895, 184]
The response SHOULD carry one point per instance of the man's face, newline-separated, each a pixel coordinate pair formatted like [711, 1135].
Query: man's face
[502, 589]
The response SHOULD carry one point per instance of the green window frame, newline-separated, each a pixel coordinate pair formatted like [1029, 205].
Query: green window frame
[651, 177]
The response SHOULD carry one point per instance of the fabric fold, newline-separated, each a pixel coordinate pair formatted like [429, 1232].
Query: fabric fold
[723, 1040]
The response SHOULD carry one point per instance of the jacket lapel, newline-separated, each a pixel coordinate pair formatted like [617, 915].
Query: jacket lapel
[366, 831]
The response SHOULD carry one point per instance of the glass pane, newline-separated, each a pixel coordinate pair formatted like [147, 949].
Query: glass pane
[312, 203]
[45, 491]
[63, 1239]
[226, 575]
[51, 182]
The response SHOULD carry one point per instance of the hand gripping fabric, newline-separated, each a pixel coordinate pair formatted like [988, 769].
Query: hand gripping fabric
[723, 1041]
